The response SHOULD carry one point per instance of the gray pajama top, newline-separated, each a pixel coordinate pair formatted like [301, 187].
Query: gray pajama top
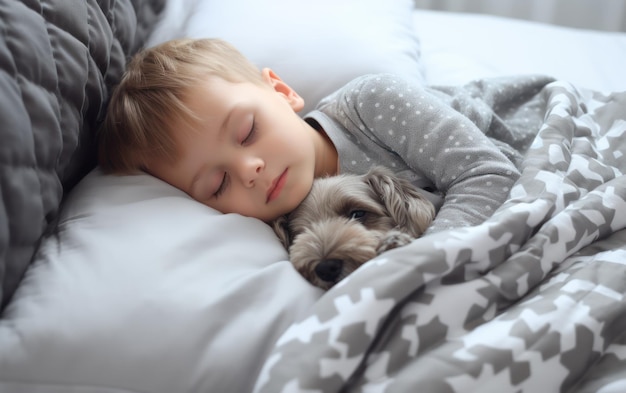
[387, 120]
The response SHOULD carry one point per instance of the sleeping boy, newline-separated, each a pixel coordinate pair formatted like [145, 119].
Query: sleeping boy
[200, 116]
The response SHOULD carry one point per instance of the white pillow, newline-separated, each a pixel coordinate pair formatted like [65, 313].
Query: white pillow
[143, 289]
[485, 46]
[316, 46]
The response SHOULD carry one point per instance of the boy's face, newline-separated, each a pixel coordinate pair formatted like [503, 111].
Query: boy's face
[252, 154]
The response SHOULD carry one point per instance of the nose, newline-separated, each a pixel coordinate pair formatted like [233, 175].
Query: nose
[329, 270]
[249, 169]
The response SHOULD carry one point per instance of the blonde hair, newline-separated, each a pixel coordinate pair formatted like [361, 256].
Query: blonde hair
[149, 99]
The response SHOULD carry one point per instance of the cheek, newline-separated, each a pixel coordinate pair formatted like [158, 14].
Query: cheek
[299, 191]
[244, 203]
[301, 148]
[291, 137]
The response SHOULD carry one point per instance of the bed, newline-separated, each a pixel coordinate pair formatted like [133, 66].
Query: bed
[116, 284]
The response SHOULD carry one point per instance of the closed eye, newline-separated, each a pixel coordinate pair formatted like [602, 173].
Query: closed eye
[251, 134]
[222, 187]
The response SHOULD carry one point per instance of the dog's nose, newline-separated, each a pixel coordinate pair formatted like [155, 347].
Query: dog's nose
[329, 269]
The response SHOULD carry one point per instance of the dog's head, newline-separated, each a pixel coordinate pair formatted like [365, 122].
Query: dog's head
[342, 221]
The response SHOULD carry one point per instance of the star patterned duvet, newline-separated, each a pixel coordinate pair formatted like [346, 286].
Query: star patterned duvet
[532, 300]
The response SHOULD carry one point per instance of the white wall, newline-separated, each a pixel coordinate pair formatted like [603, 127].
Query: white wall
[609, 15]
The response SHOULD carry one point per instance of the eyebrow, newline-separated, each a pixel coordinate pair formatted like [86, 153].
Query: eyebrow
[222, 129]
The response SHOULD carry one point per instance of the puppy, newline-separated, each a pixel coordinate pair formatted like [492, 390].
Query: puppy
[346, 220]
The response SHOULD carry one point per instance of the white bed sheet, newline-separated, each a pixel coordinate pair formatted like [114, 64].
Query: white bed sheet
[458, 47]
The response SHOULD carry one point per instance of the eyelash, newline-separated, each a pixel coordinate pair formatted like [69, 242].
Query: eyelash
[251, 134]
[225, 179]
[222, 186]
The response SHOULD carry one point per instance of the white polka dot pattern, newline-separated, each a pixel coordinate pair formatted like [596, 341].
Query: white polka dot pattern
[447, 138]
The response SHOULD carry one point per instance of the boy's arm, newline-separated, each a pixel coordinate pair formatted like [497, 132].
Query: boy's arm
[436, 142]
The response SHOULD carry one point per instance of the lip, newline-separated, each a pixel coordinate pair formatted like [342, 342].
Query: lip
[277, 186]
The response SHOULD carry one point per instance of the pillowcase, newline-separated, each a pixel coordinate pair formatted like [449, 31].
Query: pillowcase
[314, 46]
[143, 289]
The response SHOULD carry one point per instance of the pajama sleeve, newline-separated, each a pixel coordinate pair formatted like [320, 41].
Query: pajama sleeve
[436, 142]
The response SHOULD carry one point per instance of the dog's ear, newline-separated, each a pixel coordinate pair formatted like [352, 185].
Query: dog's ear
[411, 211]
[281, 228]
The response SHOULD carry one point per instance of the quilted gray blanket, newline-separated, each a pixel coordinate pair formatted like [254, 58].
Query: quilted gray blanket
[533, 300]
[58, 61]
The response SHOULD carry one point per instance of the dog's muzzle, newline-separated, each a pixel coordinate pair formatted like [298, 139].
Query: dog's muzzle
[329, 270]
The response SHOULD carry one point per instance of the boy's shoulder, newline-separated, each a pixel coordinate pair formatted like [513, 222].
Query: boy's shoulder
[371, 87]
[376, 84]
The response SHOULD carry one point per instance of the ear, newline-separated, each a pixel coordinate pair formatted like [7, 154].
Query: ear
[291, 96]
[281, 229]
[411, 211]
